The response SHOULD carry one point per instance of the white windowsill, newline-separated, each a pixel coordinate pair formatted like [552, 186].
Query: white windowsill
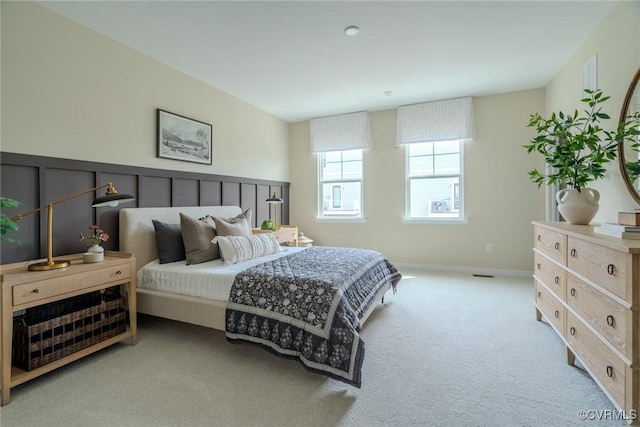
[443, 221]
[342, 220]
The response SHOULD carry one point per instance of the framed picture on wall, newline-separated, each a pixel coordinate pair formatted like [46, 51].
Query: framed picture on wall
[182, 138]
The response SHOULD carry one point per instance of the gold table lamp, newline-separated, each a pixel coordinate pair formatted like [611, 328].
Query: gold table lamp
[275, 201]
[111, 198]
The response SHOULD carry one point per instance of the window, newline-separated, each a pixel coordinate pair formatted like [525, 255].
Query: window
[434, 180]
[338, 141]
[340, 184]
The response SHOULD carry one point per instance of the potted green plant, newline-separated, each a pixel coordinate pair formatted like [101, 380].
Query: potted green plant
[577, 148]
[268, 224]
[6, 224]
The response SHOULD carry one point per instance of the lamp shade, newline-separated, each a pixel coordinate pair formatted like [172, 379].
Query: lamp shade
[275, 199]
[112, 200]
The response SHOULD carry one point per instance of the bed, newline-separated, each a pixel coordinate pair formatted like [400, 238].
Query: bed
[322, 332]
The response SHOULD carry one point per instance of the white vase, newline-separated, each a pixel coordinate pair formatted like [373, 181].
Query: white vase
[95, 253]
[578, 207]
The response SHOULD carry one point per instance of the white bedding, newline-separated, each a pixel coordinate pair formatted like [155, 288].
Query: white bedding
[210, 280]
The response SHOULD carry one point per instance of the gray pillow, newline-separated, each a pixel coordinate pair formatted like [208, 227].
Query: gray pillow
[169, 242]
[224, 228]
[239, 225]
[209, 220]
[197, 236]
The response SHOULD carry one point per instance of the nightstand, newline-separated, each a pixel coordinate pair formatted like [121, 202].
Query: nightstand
[286, 234]
[104, 322]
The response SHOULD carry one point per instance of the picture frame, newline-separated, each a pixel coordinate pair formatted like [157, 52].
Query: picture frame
[183, 138]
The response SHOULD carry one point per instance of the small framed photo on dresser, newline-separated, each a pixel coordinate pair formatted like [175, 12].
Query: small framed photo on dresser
[182, 138]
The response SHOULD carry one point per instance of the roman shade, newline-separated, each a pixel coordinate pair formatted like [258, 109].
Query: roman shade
[445, 120]
[342, 132]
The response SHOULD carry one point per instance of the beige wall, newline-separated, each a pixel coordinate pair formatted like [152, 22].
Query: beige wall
[616, 42]
[70, 92]
[500, 201]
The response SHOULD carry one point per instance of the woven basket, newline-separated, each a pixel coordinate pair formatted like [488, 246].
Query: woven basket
[37, 344]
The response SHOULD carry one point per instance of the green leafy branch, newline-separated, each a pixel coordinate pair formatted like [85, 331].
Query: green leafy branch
[6, 224]
[576, 146]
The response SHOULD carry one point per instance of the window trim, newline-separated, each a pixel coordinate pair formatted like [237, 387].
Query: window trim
[407, 209]
[320, 217]
[439, 221]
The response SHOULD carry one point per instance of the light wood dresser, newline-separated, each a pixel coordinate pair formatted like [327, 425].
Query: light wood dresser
[587, 286]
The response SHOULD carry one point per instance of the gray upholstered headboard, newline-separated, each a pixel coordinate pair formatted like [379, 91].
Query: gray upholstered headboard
[137, 234]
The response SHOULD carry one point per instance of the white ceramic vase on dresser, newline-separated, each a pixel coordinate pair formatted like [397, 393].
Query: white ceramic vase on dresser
[95, 253]
[578, 207]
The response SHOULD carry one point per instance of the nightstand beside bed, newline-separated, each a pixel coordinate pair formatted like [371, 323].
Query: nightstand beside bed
[22, 289]
[286, 234]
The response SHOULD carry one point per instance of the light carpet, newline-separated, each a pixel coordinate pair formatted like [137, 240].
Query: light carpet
[448, 349]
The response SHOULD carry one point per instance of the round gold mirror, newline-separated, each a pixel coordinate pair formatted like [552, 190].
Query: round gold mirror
[629, 151]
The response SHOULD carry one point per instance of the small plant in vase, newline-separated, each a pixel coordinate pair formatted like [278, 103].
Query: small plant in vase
[95, 253]
[577, 149]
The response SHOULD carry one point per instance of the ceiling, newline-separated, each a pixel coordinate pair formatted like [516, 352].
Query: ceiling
[294, 60]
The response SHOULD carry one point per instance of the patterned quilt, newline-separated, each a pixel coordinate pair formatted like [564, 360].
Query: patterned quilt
[308, 305]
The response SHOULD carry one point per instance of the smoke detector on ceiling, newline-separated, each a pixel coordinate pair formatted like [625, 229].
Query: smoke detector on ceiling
[351, 30]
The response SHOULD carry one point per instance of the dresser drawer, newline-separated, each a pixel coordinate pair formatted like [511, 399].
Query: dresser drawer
[551, 274]
[30, 292]
[611, 319]
[604, 266]
[551, 243]
[604, 364]
[549, 305]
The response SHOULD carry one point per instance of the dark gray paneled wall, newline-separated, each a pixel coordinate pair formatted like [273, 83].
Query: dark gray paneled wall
[35, 181]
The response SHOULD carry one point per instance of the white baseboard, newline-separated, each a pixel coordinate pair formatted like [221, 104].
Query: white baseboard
[464, 269]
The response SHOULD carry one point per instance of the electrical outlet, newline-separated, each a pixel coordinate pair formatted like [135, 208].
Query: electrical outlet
[489, 247]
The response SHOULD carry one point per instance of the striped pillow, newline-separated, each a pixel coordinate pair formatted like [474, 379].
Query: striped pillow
[234, 249]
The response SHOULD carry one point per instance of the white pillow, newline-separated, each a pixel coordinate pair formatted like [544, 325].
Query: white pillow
[234, 249]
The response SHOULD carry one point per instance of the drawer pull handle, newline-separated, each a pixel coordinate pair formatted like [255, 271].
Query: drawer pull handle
[539, 294]
[557, 280]
[539, 238]
[573, 253]
[557, 246]
[118, 272]
[610, 371]
[538, 266]
[557, 314]
[611, 269]
[35, 291]
[572, 330]
[611, 320]
[573, 292]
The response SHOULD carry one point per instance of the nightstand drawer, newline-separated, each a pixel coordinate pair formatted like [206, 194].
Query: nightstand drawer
[286, 234]
[30, 292]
